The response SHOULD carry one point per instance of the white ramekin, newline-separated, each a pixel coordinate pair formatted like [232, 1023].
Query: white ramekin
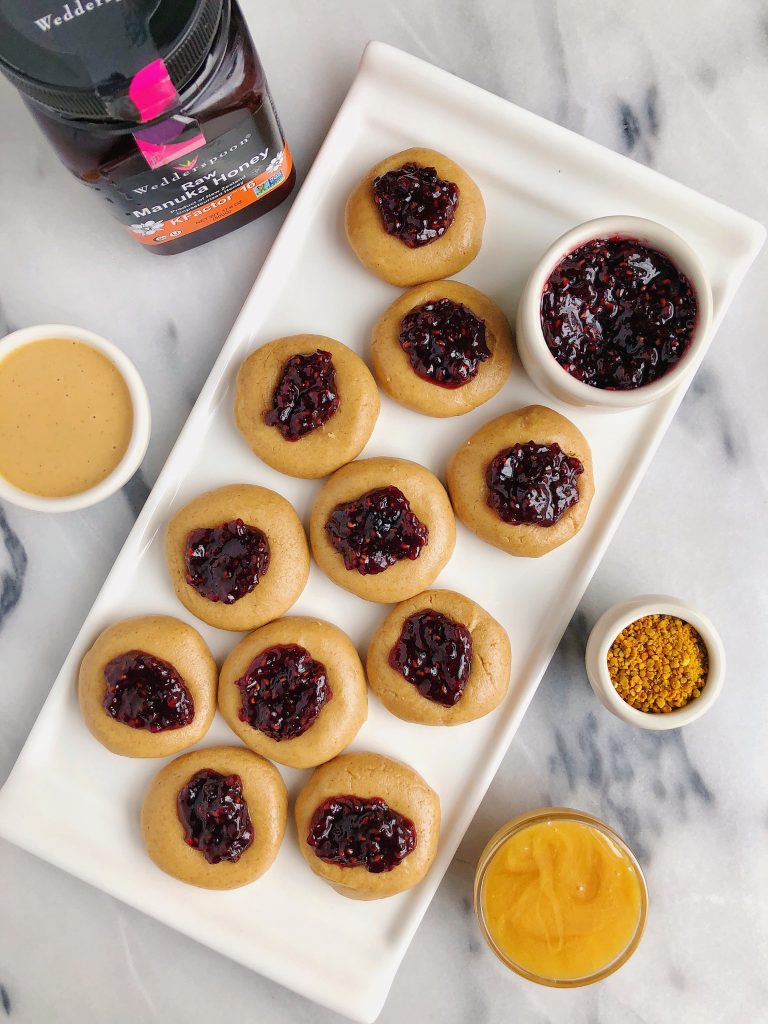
[608, 627]
[542, 367]
[137, 445]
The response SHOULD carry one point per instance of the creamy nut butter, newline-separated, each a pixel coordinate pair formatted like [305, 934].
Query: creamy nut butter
[66, 417]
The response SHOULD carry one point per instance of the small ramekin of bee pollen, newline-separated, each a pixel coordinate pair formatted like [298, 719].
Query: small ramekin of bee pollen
[560, 898]
[655, 663]
[74, 418]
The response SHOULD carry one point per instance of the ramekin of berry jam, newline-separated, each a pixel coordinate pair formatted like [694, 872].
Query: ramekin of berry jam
[616, 313]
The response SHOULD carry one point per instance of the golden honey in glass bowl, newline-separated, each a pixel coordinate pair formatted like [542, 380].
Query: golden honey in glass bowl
[560, 898]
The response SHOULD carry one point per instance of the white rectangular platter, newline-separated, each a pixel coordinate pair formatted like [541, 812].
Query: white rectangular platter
[71, 802]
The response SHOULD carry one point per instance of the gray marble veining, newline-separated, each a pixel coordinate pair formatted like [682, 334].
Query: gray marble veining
[681, 86]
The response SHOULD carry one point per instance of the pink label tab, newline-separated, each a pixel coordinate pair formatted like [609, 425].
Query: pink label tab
[153, 93]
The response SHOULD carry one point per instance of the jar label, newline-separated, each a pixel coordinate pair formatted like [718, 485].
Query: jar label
[227, 174]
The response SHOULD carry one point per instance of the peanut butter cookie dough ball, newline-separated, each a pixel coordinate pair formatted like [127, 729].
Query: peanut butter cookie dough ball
[439, 659]
[368, 825]
[382, 528]
[442, 349]
[215, 818]
[523, 482]
[147, 687]
[416, 216]
[237, 556]
[306, 404]
[295, 691]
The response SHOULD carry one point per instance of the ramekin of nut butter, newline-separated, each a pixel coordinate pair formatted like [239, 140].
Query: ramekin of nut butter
[74, 418]
[655, 663]
[560, 898]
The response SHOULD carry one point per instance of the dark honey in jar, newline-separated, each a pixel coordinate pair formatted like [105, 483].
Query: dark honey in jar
[160, 106]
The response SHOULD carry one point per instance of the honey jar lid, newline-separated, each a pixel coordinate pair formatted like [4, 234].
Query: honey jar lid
[80, 57]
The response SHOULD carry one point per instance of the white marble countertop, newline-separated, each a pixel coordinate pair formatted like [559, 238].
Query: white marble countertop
[678, 86]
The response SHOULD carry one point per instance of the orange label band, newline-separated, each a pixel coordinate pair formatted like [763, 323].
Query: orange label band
[217, 209]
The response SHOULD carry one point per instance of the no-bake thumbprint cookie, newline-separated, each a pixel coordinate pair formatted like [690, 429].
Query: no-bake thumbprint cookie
[416, 216]
[382, 528]
[306, 404]
[147, 687]
[294, 691]
[523, 482]
[237, 556]
[368, 825]
[442, 349]
[215, 818]
[439, 659]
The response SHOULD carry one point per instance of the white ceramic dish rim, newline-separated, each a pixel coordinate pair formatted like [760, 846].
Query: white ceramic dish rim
[608, 627]
[383, 69]
[539, 361]
[142, 420]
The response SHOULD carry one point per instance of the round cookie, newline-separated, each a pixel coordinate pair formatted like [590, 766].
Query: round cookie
[287, 570]
[485, 684]
[371, 777]
[427, 501]
[141, 690]
[340, 716]
[333, 443]
[469, 490]
[261, 789]
[396, 375]
[390, 258]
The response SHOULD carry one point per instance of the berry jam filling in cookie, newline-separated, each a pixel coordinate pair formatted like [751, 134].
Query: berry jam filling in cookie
[532, 483]
[215, 816]
[283, 692]
[444, 341]
[376, 530]
[306, 396]
[146, 693]
[224, 563]
[355, 832]
[435, 654]
[616, 314]
[415, 205]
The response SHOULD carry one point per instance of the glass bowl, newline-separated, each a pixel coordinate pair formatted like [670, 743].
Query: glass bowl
[517, 825]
